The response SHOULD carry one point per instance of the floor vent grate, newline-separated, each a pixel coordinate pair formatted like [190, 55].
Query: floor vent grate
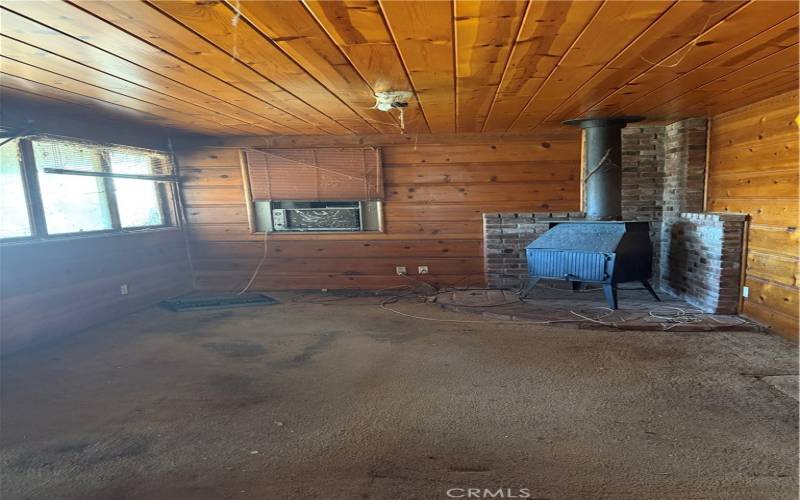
[203, 302]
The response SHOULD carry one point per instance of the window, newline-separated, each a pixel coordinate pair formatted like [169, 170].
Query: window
[71, 203]
[139, 201]
[81, 188]
[315, 190]
[14, 218]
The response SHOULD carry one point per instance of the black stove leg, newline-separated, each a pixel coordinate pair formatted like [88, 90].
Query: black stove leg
[610, 291]
[650, 289]
[529, 287]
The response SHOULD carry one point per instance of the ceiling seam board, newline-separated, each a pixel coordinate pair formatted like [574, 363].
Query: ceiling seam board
[456, 108]
[34, 69]
[85, 83]
[213, 77]
[309, 67]
[375, 64]
[719, 56]
[507, 64]
[258, 24]
[726, 25]
[486, 32]
[620, 55]
[411, 88]
[222, 83]
[39, 84]
[423, 36]
[101, 9]
[79, 64]
[159, 75]
[790, 52]
[611, 61]
[546, 35]
[55, 59]
[343, 53]
[637, 23]
[403, 63]
[555, 67]
[340, 48]
[239, 19]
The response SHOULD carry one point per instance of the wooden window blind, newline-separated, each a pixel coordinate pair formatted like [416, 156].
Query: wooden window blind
[315, 174]
[74, 157]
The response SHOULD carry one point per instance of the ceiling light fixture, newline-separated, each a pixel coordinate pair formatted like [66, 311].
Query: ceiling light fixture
[394, 99]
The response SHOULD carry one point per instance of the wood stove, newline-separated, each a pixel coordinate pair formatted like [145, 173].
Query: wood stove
[605, 252]
[602, 249]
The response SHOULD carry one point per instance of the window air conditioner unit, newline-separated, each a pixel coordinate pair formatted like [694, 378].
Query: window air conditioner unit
[339, 218]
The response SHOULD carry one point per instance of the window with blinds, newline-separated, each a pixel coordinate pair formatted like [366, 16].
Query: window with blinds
[71, 203]
[122, 195]
[62, 187]
[331, 174]
[66, 156]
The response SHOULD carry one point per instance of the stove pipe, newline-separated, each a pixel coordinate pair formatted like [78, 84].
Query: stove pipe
[602, 165]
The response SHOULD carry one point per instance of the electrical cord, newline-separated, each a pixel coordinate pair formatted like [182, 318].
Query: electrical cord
[259, 266]
[469, 321]
[597, 320]
[425, 292]
[681, 316]
[393, 299]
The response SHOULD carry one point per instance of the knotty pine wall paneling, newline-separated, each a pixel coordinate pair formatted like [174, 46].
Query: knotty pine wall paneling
[54, 287]
[753, 168]
[434, 197]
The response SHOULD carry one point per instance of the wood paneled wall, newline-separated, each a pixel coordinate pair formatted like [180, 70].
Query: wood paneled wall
[50, 288]
[56, 287]
[753, 168]
[436, 191]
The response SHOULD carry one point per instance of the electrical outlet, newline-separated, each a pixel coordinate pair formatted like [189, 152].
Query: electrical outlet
[123, 289]
[422, 270]
[401, 270]
[745, 291]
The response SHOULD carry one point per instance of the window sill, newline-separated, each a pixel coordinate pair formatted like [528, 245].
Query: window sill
[319, 236]
[318, 233]
[36, 240]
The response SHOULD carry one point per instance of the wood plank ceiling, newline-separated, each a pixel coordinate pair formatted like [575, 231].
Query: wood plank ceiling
[309, 67]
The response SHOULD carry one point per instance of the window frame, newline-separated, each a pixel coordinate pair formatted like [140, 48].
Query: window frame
[23, 172]
[163, 203]
[35, 207]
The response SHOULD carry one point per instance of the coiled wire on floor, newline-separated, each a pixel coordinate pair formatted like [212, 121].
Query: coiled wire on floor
[421, 291]
[424, 292]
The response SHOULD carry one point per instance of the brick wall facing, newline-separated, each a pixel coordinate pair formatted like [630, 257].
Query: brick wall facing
[643, 181]
[684, 167]
[704, 260]
[684, 180]
[642, 172]
[505, 236]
